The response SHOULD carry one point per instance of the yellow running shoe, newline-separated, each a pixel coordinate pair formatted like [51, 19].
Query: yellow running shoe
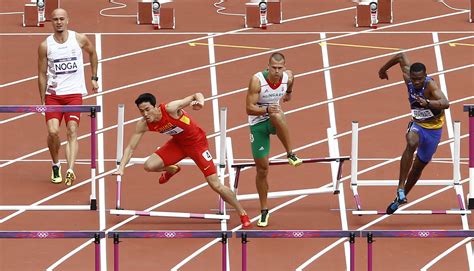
[56, 175]
[263, 221]
[70, 177]
[294, 160]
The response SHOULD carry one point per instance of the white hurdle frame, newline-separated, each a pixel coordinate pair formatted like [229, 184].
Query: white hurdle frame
[334, 189]
[455, 182]
[184, 162]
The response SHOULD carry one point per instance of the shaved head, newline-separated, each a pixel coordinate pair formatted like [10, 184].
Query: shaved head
[59, 12]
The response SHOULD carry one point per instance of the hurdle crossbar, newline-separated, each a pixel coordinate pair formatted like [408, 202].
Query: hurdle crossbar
[92, 109]
[297, 234]
[289, 193]
[470, 109]
[410, 234]
[280, 194]
[413, 212]
[45, 207]
[169, 214]
[59, 234]
[116, 235]
[455, 182]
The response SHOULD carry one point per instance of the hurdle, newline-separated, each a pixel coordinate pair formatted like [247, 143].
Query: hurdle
[455, 182]
[92, 109]
[279, 194]
[409, 234]
[116, 235]
[59, 235]
[152, 12]
[135, 161]
[470, 109]
[297, 234]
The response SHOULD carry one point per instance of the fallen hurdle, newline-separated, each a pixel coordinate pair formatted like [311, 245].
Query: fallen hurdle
[116, 235]
[59, 235]
[185, 162]
[93, 110]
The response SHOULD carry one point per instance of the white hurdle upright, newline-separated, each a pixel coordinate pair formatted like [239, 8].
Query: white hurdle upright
[455, 182]
[134, 161]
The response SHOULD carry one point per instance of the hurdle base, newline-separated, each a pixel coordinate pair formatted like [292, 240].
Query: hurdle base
[252, 14]
[93, 204]
[145, 16]
[470, 204]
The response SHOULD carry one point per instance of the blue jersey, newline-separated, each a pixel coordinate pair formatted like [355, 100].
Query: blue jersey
[427, 118]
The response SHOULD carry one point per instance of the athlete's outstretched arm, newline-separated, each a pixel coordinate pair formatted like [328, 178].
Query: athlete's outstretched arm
[401, 59]
[196, 100]
[140, 129]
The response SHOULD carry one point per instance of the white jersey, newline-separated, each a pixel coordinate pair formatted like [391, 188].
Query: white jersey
[268, 95]
[65, 67]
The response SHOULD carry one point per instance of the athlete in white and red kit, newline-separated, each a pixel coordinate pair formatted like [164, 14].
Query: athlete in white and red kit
[61, 82]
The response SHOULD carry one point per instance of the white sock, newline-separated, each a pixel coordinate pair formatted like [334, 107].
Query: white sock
[58, 164]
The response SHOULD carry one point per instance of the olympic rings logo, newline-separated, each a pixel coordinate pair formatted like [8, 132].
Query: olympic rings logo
[42, 234]
[40, 109]
[298, 234]
[423, 234]
[170, 234]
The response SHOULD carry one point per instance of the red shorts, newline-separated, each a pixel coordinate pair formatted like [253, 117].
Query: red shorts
[172, 152]
[71, 99]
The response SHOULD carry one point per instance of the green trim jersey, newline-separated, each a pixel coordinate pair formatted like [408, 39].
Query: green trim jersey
[269, 94]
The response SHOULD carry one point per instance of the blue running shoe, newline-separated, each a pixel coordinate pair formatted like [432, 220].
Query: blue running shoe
[393, 207]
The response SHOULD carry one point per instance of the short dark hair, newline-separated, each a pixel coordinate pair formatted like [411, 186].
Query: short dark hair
[146, 97]
[417, 67]
[277, 57]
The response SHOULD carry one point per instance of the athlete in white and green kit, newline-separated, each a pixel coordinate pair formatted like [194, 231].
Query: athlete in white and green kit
[265, 91]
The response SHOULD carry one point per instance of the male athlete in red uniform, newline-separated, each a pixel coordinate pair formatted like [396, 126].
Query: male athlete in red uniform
[188, 140]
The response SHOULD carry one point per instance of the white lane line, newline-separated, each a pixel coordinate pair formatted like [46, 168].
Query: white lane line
[450, 128]
[70, 254]
[334, 144]
[465, 241]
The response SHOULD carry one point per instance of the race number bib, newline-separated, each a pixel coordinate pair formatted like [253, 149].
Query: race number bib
[207, 155]
[173, 131]
[65, 65]
[421, 114]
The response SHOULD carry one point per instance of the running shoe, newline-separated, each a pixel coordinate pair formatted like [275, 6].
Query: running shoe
[56, 175]
[70, 177]
[264, 216]
[166, 176]
[244, 219]
[294, 160]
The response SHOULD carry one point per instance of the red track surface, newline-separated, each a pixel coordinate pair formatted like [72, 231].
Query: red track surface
[27, 182]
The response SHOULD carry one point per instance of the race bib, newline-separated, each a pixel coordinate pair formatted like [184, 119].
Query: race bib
[173, 131]
[421, 114]
[65, 65]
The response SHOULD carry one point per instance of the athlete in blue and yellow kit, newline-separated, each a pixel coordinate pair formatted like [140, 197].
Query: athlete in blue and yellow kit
[187, 140]
[427, 104]
[265, 91]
